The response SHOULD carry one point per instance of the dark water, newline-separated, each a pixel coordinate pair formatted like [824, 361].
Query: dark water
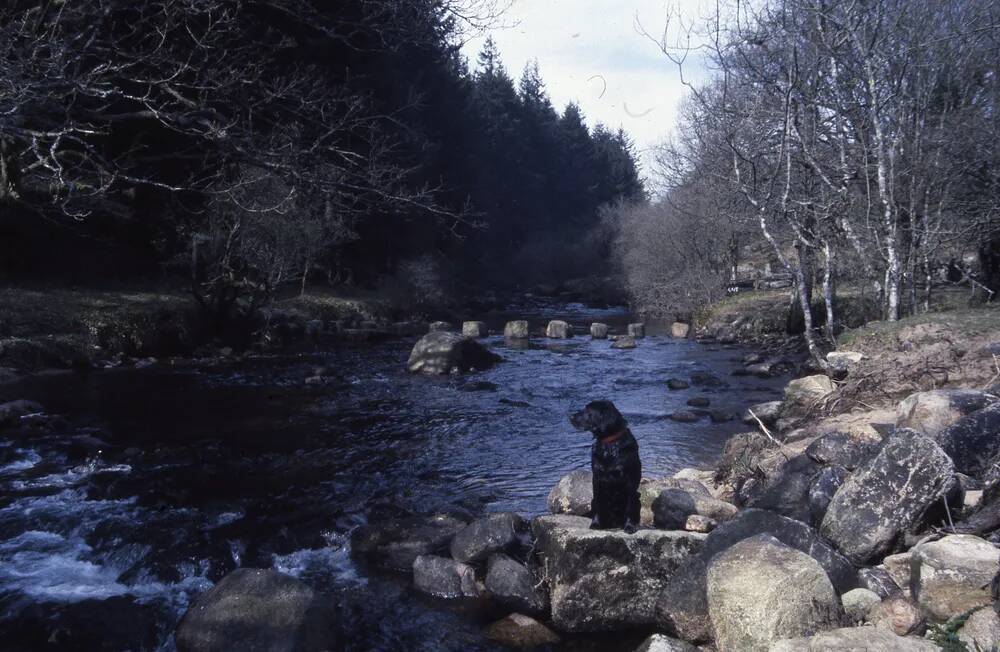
[242, 464]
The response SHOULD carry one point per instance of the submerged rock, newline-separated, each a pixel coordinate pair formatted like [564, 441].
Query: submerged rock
[603, 580]
[258, 609]
[677, 383]
[624, 342]
[396, 543]
[761, 591]
[445, 578]
[487, 535]
[573, 494]
[12, 411]
[442, 352]
[886, 496]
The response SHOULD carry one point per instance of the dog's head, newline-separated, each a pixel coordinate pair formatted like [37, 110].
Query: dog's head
[601, 418]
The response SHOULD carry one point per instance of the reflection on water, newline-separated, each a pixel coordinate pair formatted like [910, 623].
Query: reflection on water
[203, 470]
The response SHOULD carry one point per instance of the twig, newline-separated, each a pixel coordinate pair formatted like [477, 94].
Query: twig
[768, 433]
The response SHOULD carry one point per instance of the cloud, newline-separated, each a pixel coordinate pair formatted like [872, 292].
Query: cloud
[576, 40]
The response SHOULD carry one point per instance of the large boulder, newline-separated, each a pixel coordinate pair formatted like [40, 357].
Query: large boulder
[487, 535]
[518, 630]
[972, 442]
[683, 608]
[258, 609]
[841, 362]
[931, 412]
[445, 578]
[661, 643]
[803, 395]
[545, 527]
[12, 411]
[442, 352]
[558, 329]
[680, 330]
[513, 585]
[573, 494]
[953, 575]
[474, 329]
[761, 591]
[886, 496]
[606, 579]
[898, 614]
[516, 330]
[672, 507]
[396, 543]
[856, 639]
[982, 629]
[599, 331]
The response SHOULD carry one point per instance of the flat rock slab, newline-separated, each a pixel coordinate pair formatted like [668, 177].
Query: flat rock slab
[604, 580]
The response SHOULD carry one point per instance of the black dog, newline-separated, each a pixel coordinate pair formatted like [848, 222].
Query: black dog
[614, 458]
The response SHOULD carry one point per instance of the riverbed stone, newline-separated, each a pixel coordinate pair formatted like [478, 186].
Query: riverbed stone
[661, 643]
[931, 412]
[442, 352]
[485, 536]
[699, 402]
[953, 575]
[624, 342]
[898, 614]
[858, 604]
[599, 331]
[606, 579]
[396, 543]
[684, 416]
[519, 630]
[573, 494]
[982, 629]
[887, 496]
[677, 384]
[514, 585]
[680, 330]
[474, 329]
[672, 507]
[856, 639]
[761, 591]
[12, 411]
[445, 578]
[558, 329]
[768, 412]
[516, 330]
[258, 609]
[637, 330]
[803, 395]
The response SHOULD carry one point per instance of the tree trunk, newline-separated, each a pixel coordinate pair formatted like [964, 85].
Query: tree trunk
[828, 291]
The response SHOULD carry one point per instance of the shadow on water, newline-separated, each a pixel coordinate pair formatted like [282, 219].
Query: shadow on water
[205, 469]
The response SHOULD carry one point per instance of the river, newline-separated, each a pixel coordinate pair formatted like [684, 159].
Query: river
[241, 463]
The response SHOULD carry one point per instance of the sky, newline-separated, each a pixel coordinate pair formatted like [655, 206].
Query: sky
[592, 52]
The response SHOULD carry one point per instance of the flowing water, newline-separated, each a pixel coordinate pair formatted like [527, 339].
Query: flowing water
[242, 464]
